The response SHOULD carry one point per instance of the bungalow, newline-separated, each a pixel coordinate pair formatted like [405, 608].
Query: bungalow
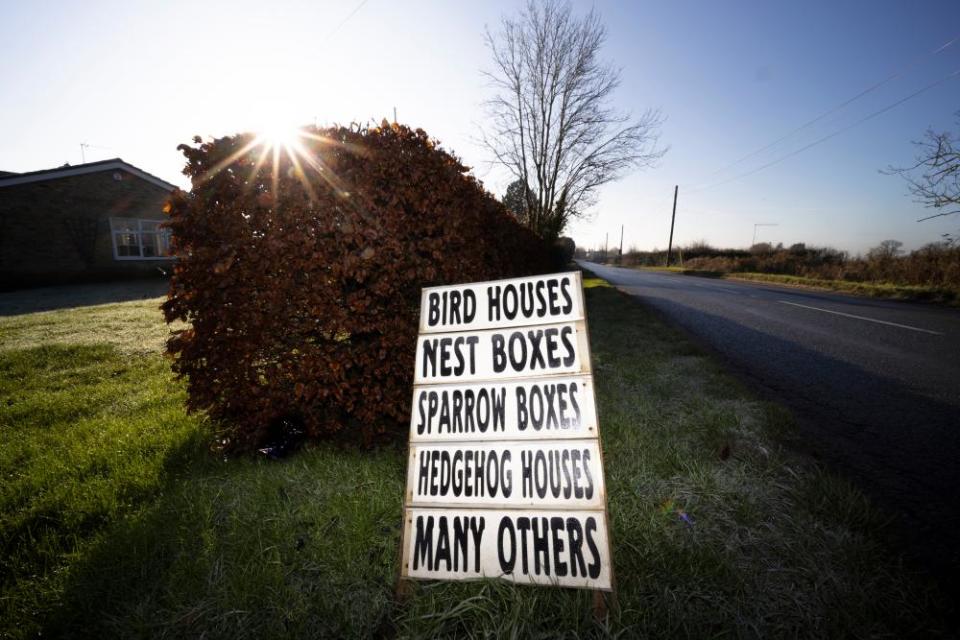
[93, 221]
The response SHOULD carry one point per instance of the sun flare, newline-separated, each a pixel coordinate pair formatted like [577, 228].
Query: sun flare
[280, 134]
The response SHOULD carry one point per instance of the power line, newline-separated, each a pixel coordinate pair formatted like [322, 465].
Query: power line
[834, 134]
[345, 20]
[843, 104]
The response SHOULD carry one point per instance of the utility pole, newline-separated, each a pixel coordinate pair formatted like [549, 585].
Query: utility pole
[673, 218]
[605, 239]
[621, 243]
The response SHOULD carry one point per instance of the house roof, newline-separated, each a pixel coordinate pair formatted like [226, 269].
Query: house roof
[8, 179]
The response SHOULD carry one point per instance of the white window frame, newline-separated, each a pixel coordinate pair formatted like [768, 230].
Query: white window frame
[114, 232]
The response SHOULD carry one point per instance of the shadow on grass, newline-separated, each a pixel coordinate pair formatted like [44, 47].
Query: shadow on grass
[14, 303]
[247, 548]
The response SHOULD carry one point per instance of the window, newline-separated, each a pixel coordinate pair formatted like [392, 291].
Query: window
[139, 239]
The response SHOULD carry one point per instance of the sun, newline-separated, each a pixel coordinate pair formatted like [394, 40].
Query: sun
[280, 134]
[277, 141]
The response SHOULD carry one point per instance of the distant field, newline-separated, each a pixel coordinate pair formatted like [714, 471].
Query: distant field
[869, 289]
[118, 518]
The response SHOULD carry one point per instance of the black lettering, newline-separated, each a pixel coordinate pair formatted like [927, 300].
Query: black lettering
[493, 303]
[434, 458]
[552, 358]
[444, 473]
[523, 525]
[477, 525]
[526, 299]
[575, 536]
[433, 309]
[483, 410]
[423, 418]
[536, 337]
[541, 546]
[423, 479]
[542, 301]
[554, 473]
[559, 566]
[552, 296]
[562, 405]
[443, 543]
[457, 411]
[506, 474]
[526, 473]
[575, 462]
[459, 543]
[444, 421]
[577, 419]
[565, 292]
[536, 407]
[540, 474]
[499, 408]
[594, 569]
[550, 391]
[510, 302]
[468, 401]
[516, 338]
[469, 306]
[479, 458]
[499, 356]
[588, 493]
[457, 474]
[467, 472]
[472, 342]
[429, 356]
[521, 409]
[565, 338]
[445, 344]
[506, 526]
[493, 478]
[454, 307]
[432, 406]
[423, 544]
[458, 351]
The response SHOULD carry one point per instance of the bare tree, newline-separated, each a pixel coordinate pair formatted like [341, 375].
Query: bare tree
[550, 123]
[934, 179]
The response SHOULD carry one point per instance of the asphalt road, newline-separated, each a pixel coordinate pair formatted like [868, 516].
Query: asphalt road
[875, 386]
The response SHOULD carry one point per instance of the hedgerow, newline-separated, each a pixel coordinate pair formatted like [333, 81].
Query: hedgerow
[299, 274]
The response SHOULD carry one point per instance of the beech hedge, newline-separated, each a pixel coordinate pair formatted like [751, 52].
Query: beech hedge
[299, 273]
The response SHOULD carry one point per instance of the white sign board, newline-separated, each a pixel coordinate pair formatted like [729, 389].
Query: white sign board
[522, 352]
[502, 303]
[546, 547]
[561, 474]
[505, 472]
[549, 408]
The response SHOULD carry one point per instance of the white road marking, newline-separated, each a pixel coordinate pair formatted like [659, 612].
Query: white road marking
[850, 315]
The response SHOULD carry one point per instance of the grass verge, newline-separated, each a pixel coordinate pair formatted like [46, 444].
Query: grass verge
[117, 521]
[868, 289]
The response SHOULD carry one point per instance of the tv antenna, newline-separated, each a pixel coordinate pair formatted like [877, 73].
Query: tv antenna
[83, 149]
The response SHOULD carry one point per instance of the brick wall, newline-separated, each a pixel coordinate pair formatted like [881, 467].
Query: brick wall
[58, 230]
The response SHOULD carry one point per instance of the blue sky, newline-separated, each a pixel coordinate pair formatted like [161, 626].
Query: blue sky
[137, 79]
